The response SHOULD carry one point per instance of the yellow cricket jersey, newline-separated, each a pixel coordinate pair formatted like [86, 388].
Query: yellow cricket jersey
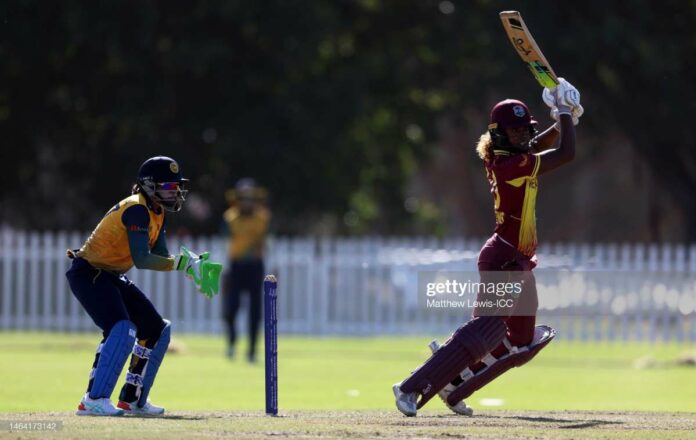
[107, 248]
[247, 233]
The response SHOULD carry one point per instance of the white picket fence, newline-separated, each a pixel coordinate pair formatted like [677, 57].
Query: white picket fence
[369, 286]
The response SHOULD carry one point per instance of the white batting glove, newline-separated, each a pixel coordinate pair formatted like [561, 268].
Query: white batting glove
[563, 98]
[548, 97]
[575, 112]
[564, 94]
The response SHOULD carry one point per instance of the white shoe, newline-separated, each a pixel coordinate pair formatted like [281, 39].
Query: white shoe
[97, 407]
[460, 408]
[147, 410]
[405, 402]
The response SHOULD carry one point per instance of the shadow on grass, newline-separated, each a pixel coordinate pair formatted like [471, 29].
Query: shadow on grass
[167, 417]
[576, 424]
[207, 416]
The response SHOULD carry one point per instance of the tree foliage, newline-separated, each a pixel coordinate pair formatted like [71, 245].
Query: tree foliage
[333, 105]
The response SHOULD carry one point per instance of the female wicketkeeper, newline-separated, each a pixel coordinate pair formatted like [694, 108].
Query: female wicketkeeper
[133, 233]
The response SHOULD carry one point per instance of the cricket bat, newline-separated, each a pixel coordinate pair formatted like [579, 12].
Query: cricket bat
[527, 48]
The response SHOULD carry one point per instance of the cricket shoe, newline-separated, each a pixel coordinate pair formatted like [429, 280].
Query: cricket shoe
[97, 407]
[405, 402]
[146, 410]
[460, 408]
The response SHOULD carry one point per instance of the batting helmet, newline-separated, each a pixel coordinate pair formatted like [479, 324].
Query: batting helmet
[511, 113]
[160, 178]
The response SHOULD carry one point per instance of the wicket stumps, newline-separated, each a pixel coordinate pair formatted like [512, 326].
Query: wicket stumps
[270, 320]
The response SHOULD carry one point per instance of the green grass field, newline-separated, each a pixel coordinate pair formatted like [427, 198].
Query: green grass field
[47, 373]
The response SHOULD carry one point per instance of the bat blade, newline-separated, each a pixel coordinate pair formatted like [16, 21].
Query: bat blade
[527, 48]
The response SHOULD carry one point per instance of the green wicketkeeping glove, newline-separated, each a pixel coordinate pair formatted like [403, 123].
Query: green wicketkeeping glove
[204, 273]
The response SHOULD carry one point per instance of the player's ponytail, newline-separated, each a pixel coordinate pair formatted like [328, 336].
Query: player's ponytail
[484, 148]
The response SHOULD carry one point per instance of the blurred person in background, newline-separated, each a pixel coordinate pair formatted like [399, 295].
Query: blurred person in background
[247, 220]
[132, 233]
[501, 335]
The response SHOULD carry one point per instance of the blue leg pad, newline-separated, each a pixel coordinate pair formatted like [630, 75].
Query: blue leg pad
[156, 355]
[114, 354]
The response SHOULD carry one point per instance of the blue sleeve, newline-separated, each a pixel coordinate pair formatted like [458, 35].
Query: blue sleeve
[225, 228]
[160, 247]
[137, 221]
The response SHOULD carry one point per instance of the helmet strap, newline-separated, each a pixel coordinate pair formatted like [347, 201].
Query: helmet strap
[501, 141]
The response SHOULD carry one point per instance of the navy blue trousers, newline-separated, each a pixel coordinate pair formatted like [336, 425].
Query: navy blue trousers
[108, 298]
[244, 276]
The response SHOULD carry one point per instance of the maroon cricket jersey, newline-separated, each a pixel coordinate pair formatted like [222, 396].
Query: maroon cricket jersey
[513, 179]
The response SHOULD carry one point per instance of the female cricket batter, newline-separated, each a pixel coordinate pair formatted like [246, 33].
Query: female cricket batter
[501, 337]
[131, 233]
